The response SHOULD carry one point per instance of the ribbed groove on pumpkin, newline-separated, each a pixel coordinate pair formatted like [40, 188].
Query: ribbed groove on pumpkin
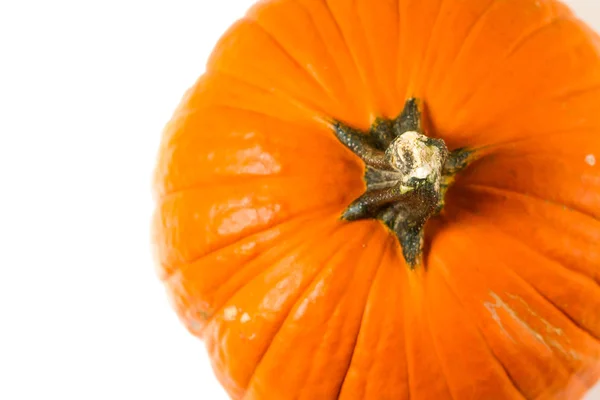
[490, 148]
[311, 112]
[237, 181]
[385, 249]
[316, 79]
[538, 372]
[361, 73]
[379, 23]
[531, 196]
[466, 40]
[299, 219]
[424, 380]
[515, 272]
[419, 69]
[478, 328]
[369, 242]
[210, 296]
[301, 251]
[249, 273]
[211, 108]
[547, 155]
[500, 122]
[311, 109]
[250, 24]
[577, 91]
[516, 47]
[405, 306]
[570, 370]
[349, 79]
[399, 54]
[499, 67]
[555, 227]
[374, 107]
[436, 352]
[295, 240]
[235, 240]
[300, 293]
[526, 142]
[531, 35]
[318, 33]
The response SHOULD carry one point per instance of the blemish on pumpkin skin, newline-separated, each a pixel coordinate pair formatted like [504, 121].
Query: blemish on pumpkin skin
[492, 308]
[551, 343]
[500, 304]
[230, 313]
[255, 161]
[549, 327]
[590, 160]
[244, 318]
[551, 330]
[242, 216]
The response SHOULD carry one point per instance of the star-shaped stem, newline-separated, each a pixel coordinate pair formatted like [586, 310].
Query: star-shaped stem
[407, 174]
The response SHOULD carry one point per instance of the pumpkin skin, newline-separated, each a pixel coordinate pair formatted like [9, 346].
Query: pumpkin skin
[293, 302]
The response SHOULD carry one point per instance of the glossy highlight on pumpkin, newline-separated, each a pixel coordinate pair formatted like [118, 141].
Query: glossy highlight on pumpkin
[293, 302]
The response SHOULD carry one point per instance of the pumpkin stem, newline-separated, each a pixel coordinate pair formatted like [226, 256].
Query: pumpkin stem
[407, 175]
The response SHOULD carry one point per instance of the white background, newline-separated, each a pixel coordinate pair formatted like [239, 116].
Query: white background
[85, 89]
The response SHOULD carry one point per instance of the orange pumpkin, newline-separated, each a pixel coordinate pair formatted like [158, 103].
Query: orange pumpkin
[390, 199]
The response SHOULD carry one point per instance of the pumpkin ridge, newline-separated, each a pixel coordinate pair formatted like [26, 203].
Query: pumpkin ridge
[312, 111]
[529, 284]
[419, 69]
[534, 101]
[436, 352]
[538, 252]
[213, 107]
[361, 73]
[571, 371]
[519, 43]
[300, 219]
[375, 108]
[283, 94]
[452, 291]
[418, 336]
[318, 33]
[279, 45]
[369, 239]
[301, 292]
[384, 250]
[538, 378]
[231, 181]
[173, 267]
[480, 19]
[551, 221]
[576, 92]
[526, 283]
[490, 148]
[348, 79]
[240, 180]
[399, 54]
[498, 69]
[487, 187]
[575, 132]
[295, 243]
[405, 335]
